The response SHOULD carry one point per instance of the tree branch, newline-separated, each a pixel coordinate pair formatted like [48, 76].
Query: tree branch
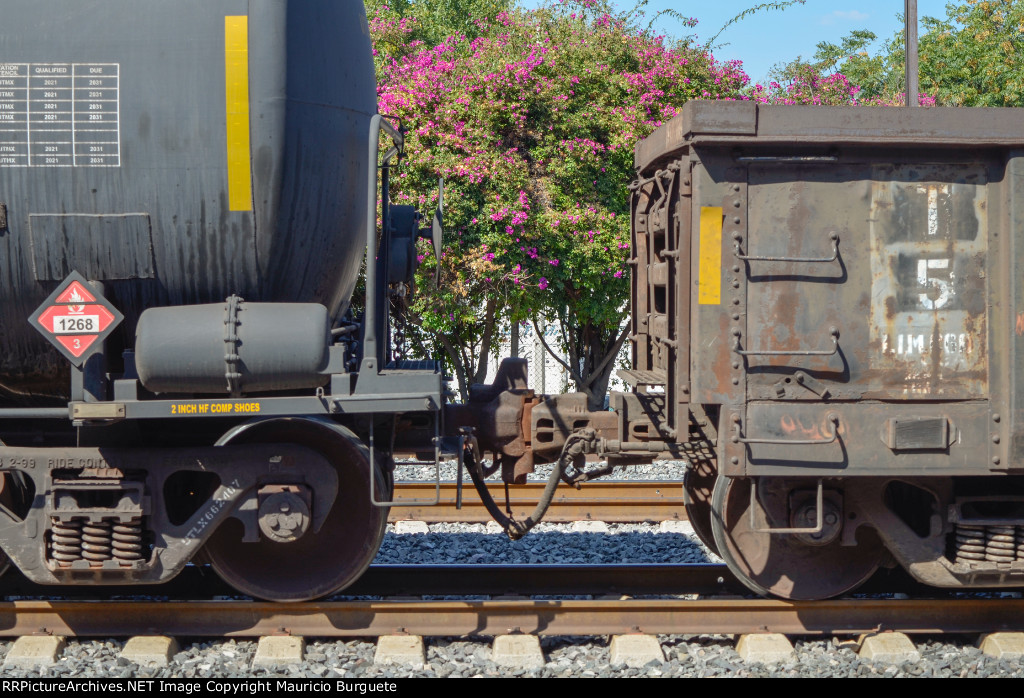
[749, 11]
[575, 376]
[610, 355]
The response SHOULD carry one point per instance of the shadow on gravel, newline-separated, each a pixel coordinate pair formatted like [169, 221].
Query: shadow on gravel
[554, 547]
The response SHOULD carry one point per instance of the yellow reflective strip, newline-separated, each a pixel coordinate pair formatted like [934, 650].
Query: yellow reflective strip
[709, 281]
[236, 72]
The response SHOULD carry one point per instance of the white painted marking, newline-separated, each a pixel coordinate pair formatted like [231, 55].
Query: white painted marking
[64, 101]
[933, 211]
[945, 288]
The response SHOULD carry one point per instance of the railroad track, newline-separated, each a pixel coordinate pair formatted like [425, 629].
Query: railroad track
[625, 617]
[603, 500]
[194, 605]
[508, 616]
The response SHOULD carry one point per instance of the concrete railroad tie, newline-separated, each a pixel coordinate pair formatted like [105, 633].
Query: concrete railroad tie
[150, 650]
[518, 651]
[279, 651]
[34, 651]
[400, 649]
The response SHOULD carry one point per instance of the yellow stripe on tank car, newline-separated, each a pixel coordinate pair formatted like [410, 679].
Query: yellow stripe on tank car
[709, 280]
[236, 71]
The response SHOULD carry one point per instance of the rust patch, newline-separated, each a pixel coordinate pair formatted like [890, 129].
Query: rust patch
[929, 248]
[796, 428]
[890, 308]
[722, 358]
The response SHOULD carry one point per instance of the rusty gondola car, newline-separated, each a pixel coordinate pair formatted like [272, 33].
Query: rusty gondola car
[831, 297]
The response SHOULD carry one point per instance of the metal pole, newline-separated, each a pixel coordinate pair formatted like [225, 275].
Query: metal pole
[910, 17]
[370, 351]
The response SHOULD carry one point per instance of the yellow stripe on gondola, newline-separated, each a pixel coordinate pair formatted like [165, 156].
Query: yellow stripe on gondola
[709, 283]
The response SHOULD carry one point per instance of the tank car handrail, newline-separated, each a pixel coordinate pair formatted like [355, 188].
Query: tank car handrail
[832, 418]
[806, 260]
[378, 123]
[833, 332]
[34, 413]
[396, 134]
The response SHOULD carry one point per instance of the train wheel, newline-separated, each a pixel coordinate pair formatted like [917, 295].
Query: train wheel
[789, 566]
[316, 564]
[699, 482]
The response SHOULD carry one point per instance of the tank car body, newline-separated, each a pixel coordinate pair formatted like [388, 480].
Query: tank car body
[178, 154]
[829, 297]
[211, 172]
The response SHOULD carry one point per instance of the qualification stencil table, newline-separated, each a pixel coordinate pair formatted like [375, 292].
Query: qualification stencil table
[60, 115]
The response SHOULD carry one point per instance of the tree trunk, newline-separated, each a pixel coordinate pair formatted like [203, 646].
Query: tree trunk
[483, 358]
[599, 348]
[460, 367]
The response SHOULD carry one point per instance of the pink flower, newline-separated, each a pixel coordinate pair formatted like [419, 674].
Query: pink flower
[543, 283]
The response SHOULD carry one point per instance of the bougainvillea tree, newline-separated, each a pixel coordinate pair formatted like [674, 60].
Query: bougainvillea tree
[532, 122]
[972, 57]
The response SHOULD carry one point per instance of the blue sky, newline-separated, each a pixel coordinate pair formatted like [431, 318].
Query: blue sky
[770, 37]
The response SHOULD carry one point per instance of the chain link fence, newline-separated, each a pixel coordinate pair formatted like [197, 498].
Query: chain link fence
[547, 374]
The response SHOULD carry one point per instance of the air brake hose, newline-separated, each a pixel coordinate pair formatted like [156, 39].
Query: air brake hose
[571, 451]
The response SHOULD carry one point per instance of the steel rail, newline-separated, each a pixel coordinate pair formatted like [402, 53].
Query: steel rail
[198, 583]
[539, 580]
[498, 617]
[604, 500]
[201, 583]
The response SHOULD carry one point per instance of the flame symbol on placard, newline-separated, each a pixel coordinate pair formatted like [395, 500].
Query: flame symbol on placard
[76, 297]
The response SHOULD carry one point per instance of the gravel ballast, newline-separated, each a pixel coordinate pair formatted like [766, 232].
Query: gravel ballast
[451, 543]
[685, 656]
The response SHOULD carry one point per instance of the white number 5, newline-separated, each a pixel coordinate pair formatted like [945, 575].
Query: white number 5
[939, 290]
